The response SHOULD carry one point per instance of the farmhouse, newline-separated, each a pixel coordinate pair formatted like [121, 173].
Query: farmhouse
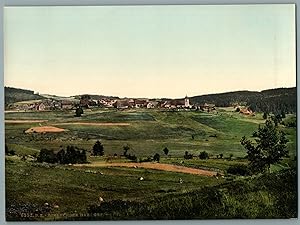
[41, 106]
[106, 102]
[86, 101]
[207, 107]
[246, 111]
[66, 104]
[122, 104]
[152, 104]
[140, 103]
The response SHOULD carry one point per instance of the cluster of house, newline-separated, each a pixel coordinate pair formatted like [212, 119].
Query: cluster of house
[243, 110]
[106, 102]
[174, 104]
[45, 105]
[152, 103]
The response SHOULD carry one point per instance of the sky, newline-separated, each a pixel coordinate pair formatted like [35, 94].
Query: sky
[149, 51]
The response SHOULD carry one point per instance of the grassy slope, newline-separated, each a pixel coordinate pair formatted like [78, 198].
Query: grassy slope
[75, 188]
[150, 131]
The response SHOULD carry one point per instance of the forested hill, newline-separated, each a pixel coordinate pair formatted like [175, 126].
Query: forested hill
[272, 100]
[16, 95]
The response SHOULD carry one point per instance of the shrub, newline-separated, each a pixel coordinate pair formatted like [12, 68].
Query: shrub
[239, 169]
[126, 149]
[148, 159]
[71, 155]
[156, 157]
[291, 123]
[98, 149]
[203, 155]
[9, 152]
[166, 151]
[187, 155]
[78, 112]
[265, 116]
[131, 157]
[47, 156]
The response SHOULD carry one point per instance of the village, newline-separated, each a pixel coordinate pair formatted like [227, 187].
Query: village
[88, 102]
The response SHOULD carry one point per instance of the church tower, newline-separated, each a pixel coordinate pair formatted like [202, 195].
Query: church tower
[186, 102]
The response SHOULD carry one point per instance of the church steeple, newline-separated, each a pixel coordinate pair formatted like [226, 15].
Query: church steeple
[186, 101]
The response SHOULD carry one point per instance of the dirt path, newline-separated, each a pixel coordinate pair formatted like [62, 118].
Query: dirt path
[25, 121]
[154, 166]
[94, 124]
[44, 129]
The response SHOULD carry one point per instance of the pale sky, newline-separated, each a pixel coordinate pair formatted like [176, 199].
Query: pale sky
[149, 51]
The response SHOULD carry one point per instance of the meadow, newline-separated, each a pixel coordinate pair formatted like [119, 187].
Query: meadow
[59, 191]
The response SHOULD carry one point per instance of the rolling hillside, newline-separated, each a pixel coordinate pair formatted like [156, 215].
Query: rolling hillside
[272, 100]
[17, 95]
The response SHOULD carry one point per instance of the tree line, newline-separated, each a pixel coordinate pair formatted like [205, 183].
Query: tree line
[64, 156]
[269, 101]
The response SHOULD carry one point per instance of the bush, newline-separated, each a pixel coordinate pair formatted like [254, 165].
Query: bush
[265, 116]
[131, 157]
[187, 155]
[203, 155]
[239, 169]
[156, 157]
[126, 148]
[9, 152]
[71, 155]
[292, 123]
[78, 112]
[166, 151]
[47, 156]
[98, 149]
[148, 159]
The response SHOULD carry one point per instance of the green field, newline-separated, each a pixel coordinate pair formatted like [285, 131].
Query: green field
[73, 189]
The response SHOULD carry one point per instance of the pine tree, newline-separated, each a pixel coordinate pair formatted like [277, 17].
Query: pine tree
[269, 149]
[98, 149]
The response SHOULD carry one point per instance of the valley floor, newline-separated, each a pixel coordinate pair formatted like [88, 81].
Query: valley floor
[58, 192]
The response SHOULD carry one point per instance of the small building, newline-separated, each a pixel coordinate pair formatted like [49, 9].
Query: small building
[246, 111]
[140, 103]
[152, 104]
[67, 104]
[122, 104]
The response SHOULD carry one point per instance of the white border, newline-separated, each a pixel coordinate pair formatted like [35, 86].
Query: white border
[126, 2]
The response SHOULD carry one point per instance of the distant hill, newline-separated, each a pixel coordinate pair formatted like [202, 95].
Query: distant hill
[58, 98]
[13, 95]
[272, 100]
[95, 97]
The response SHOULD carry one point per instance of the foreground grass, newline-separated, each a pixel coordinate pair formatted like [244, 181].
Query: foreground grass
[74, 189]
[267, 196]
[75, 192]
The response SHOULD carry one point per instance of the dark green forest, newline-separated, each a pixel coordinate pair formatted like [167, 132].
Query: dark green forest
[269, 101]
[16, 95]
